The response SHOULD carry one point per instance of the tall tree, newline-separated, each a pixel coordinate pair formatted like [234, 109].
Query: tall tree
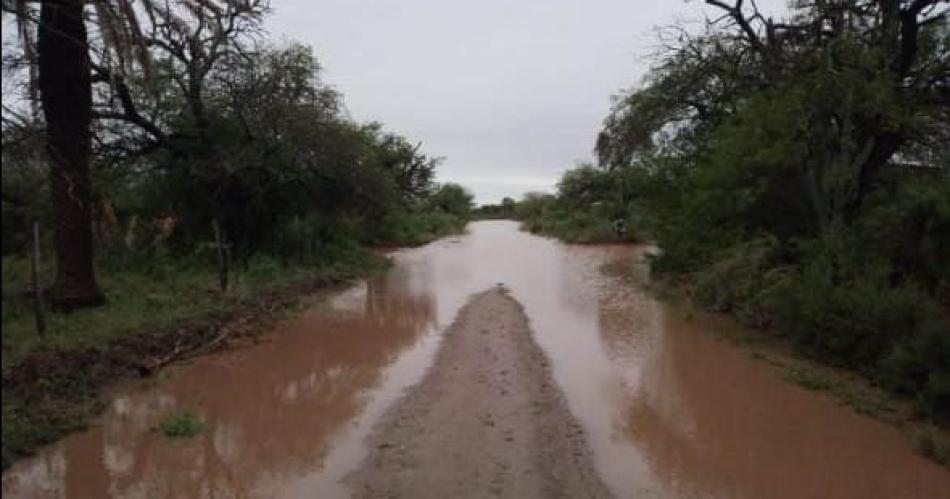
[64, 76]
[66, 97]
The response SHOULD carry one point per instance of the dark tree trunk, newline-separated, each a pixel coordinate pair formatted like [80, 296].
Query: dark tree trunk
[66, 96]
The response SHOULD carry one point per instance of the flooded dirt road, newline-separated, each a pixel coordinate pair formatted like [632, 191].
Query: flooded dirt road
[486, 421]
[667, 410]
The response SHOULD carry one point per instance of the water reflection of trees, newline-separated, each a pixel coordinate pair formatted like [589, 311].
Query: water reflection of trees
[272, 407]
[715, 423]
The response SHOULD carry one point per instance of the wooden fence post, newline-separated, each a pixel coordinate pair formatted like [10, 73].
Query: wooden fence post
[223, 256]
[37, 285]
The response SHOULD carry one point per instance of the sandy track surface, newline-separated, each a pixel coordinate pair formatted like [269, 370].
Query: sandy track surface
[487, 420]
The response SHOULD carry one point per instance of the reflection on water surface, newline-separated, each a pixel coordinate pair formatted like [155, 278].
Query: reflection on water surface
[668, 410]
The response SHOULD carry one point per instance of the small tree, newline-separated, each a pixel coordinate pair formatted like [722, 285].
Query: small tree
[452, 199]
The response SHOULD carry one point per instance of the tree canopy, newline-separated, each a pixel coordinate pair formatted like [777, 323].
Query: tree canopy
[795, 172]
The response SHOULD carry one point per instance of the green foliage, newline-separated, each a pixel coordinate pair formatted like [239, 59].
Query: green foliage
[145, 300]
[864, 400]
[23, 187]
[503, 210]
[534, 205]
[272, 158]
[744, 281]
[808, 379]
[69, 366]
[25, 428]
[932, 446]
[413, 229]
[179, 424]
[233, 139]
[573, 227]
[451, 199]
[799, 184]
[592, 205]
[446, 210]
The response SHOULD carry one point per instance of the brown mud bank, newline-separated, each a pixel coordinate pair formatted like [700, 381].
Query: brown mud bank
[487, 420]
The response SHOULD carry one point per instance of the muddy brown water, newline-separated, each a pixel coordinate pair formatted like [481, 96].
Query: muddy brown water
[668, 410]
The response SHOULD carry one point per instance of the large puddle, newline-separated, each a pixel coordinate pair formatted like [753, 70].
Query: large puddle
[669, 410]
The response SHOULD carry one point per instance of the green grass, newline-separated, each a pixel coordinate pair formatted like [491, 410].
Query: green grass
[183, 423]
[849, 388]
[27, 426]
[867, 402]
[52, 385]
[151, 301]
[808, 380]
[930, 445]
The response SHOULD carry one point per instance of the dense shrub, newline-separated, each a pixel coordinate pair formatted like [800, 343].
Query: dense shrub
[799, 183]
[412, 229]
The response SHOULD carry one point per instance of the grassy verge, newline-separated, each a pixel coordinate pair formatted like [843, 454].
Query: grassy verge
[929, 440]
[862, 398]
[933, 444]
[848, 388]
[54, 384]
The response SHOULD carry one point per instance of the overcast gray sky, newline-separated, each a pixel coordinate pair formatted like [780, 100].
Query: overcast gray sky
[510, 92]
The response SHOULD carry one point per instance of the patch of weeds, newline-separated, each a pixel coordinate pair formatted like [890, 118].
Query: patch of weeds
[24, 430]
[55, 384]
[933, 447]
[184, 423]
[807, 379]
[866, 402]
[768, 359]
[663, 290]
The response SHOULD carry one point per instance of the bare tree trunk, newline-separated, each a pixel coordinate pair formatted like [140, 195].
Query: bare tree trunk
[66, 96]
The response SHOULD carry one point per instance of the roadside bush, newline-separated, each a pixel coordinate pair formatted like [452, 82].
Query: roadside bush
[574, 227]
[848, 311]
[919, 365]
[533, 206]
[852, 319]
[744, 281]
[841, 302]
[412, 229]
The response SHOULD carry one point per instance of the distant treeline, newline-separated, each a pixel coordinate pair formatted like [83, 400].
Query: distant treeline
[503, 210]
